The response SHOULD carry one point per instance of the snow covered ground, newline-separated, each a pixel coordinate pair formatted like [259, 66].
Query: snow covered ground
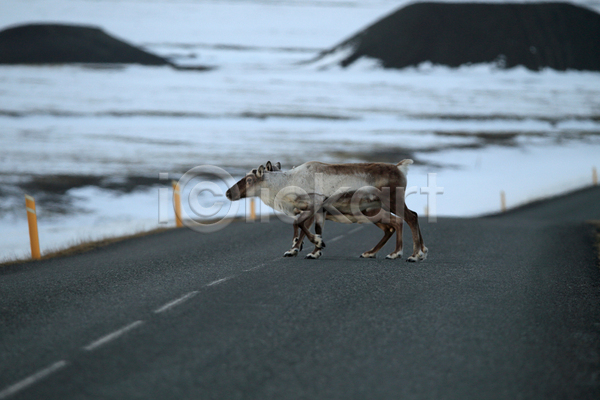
[90, 141]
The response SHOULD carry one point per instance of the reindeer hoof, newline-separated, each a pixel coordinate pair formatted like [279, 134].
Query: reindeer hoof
[313, 256]
[291, 253]
[420, 256]
[393, 256]
[368, 255]
[319, 243]
[423, 254]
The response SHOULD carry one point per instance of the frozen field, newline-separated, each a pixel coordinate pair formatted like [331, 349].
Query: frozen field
[89, 142]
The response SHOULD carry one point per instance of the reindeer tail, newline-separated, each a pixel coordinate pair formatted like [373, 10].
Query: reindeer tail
[403, 165]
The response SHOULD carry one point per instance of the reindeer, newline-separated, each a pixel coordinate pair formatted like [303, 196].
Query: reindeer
[288, 192]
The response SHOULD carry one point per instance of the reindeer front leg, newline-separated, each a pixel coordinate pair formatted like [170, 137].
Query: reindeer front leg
[297, 241]
[304, 219]
[316, 239]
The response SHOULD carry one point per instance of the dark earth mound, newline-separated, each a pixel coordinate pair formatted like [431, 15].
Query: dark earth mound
[57, 44]
[536, 35]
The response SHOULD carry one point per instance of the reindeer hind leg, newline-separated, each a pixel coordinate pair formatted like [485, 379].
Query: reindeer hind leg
[419, 249]
[388, 231]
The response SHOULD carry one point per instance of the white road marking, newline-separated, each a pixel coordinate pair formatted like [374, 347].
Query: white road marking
[335, 239]
[9, 391]
[356, 229]
[112, 336]
[341, 236]
[176, 302]
[219, 281]
[253, 268]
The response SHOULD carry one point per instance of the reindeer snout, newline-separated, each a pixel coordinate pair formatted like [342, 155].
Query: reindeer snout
[232, 195]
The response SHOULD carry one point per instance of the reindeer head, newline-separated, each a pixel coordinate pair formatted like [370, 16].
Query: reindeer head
[246, 187]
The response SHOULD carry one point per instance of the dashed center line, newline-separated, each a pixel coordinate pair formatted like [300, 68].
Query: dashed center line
[32, 379]
[11, 390]
[112, 336]
[356, 229]
[336, 238]
[257, 267]
[176, 302]
[213, 283]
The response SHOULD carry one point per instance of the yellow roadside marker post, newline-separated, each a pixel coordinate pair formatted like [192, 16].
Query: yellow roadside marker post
[502, 201]
[594, 176]
[252, 210]
[177, 203]
[34, 238]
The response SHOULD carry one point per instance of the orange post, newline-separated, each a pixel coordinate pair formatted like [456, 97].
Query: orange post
[252, 210]
[34, 238]
[177, 204]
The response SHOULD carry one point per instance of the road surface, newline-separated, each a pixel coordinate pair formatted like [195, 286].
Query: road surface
[505, 307]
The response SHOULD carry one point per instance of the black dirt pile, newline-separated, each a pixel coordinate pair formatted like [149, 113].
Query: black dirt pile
[536, 35]
[58, 44]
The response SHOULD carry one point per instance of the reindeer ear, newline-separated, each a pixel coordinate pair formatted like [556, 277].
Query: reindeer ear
[278, 166]
[269, 166]
[260, 172]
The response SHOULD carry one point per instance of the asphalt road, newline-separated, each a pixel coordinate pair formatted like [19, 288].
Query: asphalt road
[505, 307]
